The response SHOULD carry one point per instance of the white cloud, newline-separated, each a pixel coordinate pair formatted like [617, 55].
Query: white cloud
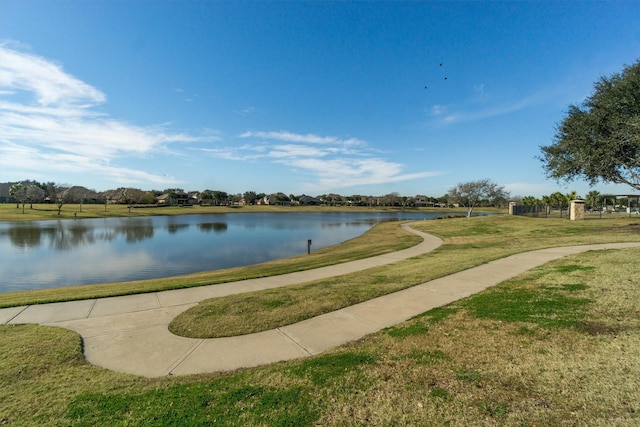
[308, 138]
[294, 151]
[48, 117]
[479, 88]
[242, 154]
[330, 162]
[341, 173]
[44, 79]
[438, 110]
[245, 111]
[446, 115]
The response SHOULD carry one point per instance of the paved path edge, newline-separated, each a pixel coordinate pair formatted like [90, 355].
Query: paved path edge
[130, 334]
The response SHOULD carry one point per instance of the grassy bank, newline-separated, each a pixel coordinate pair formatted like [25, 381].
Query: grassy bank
[383, 238]
[467, 243]
[39, 212]
[558, 345]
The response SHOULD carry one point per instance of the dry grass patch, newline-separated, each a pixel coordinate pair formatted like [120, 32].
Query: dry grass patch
[458, 368]
[449, 366]
[42, 369]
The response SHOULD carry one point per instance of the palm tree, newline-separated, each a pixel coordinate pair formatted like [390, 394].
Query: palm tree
[15, 191]
[593, 198]
[573, 196]
[557, 199]
[546, 201]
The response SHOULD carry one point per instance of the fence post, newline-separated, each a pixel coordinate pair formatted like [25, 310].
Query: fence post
[576, 211]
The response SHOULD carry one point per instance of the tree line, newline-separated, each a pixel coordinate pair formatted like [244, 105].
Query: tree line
[594, 200]
[482, 193]
[598, 140]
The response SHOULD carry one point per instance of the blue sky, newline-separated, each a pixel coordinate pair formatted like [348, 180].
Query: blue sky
[299, 97]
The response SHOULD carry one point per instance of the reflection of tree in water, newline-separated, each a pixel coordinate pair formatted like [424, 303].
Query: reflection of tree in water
[62, 237]
[65, 235]
[136, 230]
[174, 228]
[174, 225]
[23, 237]
[216, 227]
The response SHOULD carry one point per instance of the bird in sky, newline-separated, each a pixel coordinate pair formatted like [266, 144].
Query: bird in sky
[446, 78]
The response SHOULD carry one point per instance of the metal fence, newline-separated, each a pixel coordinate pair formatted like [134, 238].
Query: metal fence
[541, 210]
[562, 211]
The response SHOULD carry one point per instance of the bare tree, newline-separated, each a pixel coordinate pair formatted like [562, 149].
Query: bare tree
[17, 191]
[57, 194]
[34, 194]
[472, 194]
[133, 196]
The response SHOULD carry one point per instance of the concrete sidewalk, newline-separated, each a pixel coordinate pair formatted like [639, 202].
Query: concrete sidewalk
[130, 334]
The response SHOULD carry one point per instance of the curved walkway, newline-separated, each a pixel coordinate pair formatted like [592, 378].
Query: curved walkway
[130, 333]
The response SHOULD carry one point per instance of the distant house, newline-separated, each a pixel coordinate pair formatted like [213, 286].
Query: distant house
[309, 201]
[263, 201]
[194, 198]
[117, 196]
[163, 199]
[78, 194]
[4, 192]
[169, 199]
[275, 199]
[334, 200]
[422, 201]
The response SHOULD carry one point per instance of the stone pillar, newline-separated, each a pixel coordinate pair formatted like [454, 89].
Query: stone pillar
[512, 206]
[577, 210]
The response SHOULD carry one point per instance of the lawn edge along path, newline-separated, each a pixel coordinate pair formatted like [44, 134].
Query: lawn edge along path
[130, 333]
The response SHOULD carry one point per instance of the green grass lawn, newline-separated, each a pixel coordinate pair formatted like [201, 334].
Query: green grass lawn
[558, 345]
[467, 244]
[383, 238]
[9, 212]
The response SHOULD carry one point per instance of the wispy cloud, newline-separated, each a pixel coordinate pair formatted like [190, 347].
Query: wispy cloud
[475, 109]
[50, 117]
[44, 79]
[306, 138]
[246, 111]
[329, 162]
[343, 172]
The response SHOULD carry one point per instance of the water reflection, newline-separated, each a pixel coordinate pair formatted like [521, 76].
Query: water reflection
[23, 236]
[216, 227]
[133, 231]
[67, 238]
[36, 255]
[64, 235]
[174, 228]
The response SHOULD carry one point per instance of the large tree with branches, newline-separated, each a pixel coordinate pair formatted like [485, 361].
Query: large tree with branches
[600, 139]
[475, 193]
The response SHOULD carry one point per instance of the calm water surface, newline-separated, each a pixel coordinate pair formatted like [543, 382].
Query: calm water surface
[44, 254]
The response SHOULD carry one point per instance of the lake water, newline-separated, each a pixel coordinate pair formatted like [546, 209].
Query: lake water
[45, 254]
